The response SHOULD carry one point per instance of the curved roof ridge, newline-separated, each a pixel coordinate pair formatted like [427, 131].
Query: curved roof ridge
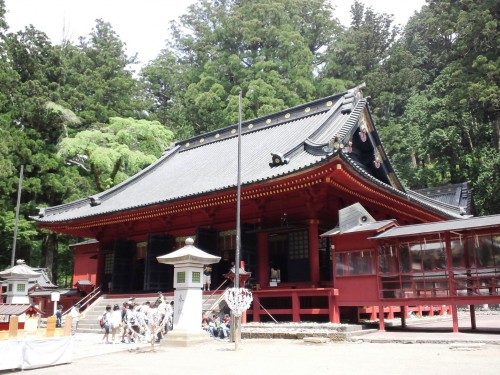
[434, 205]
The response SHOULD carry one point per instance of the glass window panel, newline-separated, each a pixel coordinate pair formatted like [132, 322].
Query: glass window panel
[433, 255]
[196, 277]
[416, 256]
[457, 252]
[181, 277]
[495, 248]
[405, 258]
[342, 264]
[483, 250]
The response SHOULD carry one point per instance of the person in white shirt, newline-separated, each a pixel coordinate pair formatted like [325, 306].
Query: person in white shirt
[75, 314]
[116, 323]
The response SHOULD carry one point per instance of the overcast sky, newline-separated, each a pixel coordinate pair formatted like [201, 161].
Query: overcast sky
[142, 25]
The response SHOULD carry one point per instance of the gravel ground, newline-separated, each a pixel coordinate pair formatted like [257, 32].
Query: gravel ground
[291, 357]
[457, 353]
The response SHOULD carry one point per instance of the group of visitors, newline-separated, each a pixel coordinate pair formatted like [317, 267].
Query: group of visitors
[135, 322]
[216, 326]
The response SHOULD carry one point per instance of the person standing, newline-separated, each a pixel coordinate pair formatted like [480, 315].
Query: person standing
[207, 277]
[59, 316]
[106, 318]
[75, 314]
[116, 323]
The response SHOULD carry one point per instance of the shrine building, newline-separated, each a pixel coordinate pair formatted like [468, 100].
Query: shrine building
[320, 202]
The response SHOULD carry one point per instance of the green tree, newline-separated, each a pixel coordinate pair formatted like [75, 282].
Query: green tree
[362, 47]
[438, 90]
[271, 51]
[110, 153]
[96, 80]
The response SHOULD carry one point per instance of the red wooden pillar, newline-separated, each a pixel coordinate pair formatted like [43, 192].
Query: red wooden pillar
[256, 309]
[263, 260]
[295, 307]
[404, 315]
[381, 324]
[454, 315]
[390, 314]
[472, 317]
[314, 252]
[333, 310]
[373, 315]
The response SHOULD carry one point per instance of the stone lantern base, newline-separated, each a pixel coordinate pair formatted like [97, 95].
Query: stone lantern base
[185, 338]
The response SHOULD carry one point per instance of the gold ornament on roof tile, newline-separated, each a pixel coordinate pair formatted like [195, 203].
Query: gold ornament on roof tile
[250, 126]
[287, 115]
[202, 140]
[217, 135]
[187, 144]
[233, 131]
[307, 110]
[329, 103]
[268, 121]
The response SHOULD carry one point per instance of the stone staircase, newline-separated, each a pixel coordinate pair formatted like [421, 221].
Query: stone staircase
[89, 323]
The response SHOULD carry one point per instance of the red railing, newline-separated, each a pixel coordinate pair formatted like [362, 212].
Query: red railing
[292, 304]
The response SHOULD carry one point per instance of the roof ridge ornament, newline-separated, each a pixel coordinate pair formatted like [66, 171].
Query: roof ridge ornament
[278, 159]
[94, 200]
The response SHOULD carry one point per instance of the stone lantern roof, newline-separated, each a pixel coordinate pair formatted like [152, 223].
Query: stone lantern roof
[189, 254]
[20, 271]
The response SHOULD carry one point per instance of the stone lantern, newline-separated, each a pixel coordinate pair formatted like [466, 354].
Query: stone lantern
[188, 265]
[17, 282]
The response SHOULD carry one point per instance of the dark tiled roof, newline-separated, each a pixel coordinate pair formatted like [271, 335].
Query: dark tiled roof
[459, 195]
[43, 280]
[442, 226]
[302, 136]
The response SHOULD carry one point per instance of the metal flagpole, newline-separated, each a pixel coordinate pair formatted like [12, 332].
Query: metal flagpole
[237, 320]
[17, 216]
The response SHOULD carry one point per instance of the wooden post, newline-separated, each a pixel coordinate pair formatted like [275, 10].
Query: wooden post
[13, 326]
[454, 314]
[333, 309]
[381, 325]
[404, 314]
[472, 317]
[51, 326]
[256, 309]
[68, 322]
[295, 307]
[390, 314]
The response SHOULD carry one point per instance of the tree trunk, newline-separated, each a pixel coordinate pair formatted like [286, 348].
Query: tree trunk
[496, 132]
[49, 251]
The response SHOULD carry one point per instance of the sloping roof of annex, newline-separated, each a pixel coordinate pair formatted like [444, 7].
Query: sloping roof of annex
[456, 226]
